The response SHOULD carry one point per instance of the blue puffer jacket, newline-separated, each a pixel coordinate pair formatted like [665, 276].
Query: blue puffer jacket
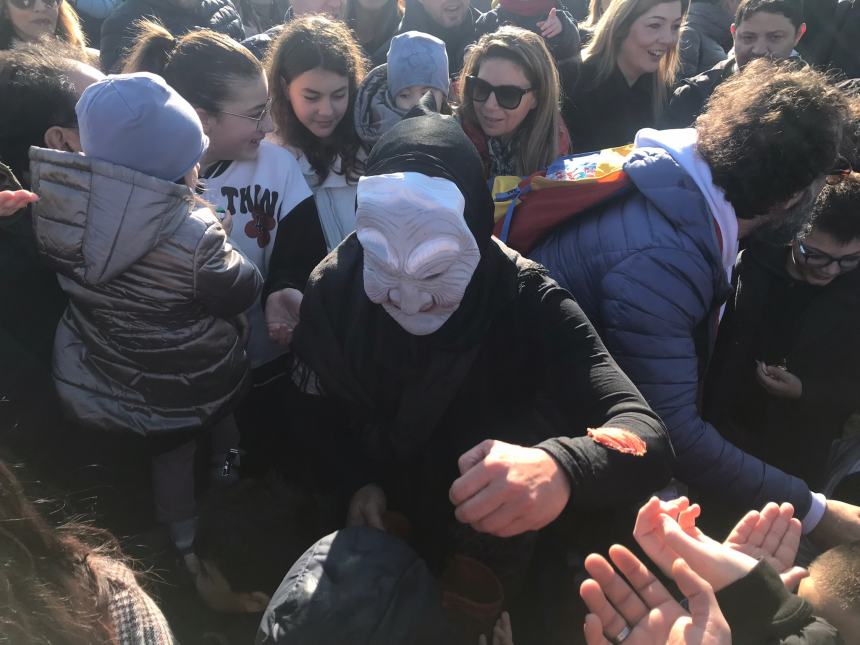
[647, 270]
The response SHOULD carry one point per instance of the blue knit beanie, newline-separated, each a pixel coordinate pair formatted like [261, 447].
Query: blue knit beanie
[140, 122]
[415, 58]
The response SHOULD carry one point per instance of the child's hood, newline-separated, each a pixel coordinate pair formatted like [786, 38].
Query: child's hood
[96, 219]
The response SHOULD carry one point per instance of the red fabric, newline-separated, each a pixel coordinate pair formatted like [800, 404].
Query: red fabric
[528, 7]
[541, 211]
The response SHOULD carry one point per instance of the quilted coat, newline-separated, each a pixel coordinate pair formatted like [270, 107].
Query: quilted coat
[147, 343]
[646, 268]
[118, 32]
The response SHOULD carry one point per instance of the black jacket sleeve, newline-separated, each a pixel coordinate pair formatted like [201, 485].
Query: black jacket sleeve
[299, 246]
[761, 611]
[592, 392]
[568, 43]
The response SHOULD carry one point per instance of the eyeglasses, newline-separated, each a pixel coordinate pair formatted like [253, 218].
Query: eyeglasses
[841, 169]
[508, 97]
[819, 260]
[257, 119]
[26, 5]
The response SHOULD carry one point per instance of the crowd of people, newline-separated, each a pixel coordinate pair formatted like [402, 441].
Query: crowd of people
[266, 321]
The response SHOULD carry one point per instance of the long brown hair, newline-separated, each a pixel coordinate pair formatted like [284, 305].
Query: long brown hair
[538, 133]
[202, 65]
[68, 27]
[305, 44]
[609, 34]
[50, 590]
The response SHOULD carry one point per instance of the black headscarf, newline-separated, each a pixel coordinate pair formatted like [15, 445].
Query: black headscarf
[399, 385]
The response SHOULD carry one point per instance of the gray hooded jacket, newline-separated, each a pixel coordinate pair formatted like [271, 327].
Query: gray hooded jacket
[146, 343]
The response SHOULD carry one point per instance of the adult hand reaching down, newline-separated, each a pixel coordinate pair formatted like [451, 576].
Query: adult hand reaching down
[282, 314]
[506, 489]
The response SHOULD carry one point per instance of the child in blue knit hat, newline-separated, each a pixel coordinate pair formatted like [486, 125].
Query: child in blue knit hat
[151, 343]
[417, 64]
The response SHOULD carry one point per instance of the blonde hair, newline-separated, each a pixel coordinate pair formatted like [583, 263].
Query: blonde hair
[609, 35]
[595, 13]
[538, 133]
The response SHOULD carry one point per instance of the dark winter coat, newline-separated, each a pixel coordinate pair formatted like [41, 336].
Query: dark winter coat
[607, 114]
[812, 331]
[361, 586]
[259, 44]
[32, 305]
[706, 38]
[456, 39]
[564, 46]
[118, 28]
[647, 270]
[838, 50]
[147, 343]
[761, 611]
[691, 95]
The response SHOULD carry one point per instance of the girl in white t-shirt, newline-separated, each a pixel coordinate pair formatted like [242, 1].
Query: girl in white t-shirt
[257, 184]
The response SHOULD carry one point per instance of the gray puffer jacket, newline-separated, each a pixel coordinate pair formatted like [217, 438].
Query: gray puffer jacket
[147, 343]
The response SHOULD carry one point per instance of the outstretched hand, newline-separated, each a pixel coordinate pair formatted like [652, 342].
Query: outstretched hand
[638, 608]
[664, 540]
[11, 201]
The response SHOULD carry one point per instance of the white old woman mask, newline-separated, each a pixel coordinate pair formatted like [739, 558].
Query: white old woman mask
[419, 255]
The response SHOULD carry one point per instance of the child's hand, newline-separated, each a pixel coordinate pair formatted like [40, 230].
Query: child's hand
[226, 219]
[502, 632]
[551, 27]
[282, 314]
[11, 201]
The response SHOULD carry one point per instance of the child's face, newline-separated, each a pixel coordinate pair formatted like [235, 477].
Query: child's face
[844, 620]
[320, 99]
[235, 132]
[408, 97]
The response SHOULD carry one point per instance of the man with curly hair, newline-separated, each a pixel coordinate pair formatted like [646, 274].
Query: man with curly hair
[651, 268]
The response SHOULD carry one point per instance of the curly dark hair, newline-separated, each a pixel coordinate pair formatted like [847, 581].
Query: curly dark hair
[305, 44]
[772, 130]
[837, 211]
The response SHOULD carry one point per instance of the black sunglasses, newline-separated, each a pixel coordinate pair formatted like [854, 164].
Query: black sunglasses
[508, 97]
[26, 5]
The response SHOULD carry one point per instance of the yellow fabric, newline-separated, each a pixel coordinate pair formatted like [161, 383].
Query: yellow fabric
[600, 166]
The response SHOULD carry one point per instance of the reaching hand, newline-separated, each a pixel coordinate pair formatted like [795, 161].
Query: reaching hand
[506, 490]
[773, 535]
[367, 507]
[640, 611]
[778, 381]
[839, 525]
[551, 27]
[282, 314]
[11, 201]
[664, 541]
[502, 632]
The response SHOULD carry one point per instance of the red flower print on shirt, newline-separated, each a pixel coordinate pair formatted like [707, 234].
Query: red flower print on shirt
[259, 226]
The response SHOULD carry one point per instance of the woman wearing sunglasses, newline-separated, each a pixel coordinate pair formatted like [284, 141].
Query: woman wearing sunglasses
[255, 183]
[786, 371]
[509, 103]
[30, 20]
[628, 70]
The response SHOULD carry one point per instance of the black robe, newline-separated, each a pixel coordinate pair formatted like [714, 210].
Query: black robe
[517, 362]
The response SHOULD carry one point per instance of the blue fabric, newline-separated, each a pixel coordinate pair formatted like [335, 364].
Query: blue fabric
[138, 121]
[646, 269]
[416, 58]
